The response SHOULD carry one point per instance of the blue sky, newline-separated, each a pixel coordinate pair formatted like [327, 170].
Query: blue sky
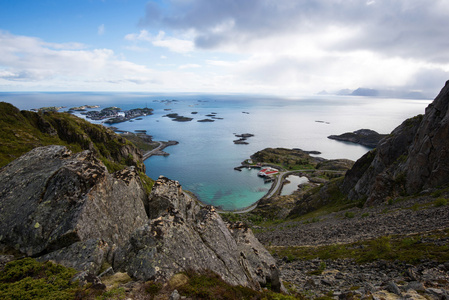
[289, 47]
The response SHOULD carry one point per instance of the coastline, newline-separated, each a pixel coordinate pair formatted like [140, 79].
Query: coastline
[158, 149]
[274, 189]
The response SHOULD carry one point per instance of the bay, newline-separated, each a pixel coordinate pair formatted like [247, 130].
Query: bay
[205, 158]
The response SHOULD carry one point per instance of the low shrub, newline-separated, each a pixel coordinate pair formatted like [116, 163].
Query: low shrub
[28, 279]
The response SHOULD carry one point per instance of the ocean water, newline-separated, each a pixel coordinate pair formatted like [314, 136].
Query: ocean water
[204, 160]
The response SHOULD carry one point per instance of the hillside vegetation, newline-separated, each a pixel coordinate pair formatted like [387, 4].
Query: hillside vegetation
[25, 130]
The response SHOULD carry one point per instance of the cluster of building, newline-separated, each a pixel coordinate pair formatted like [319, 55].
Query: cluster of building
[267, 171]
[116, 115]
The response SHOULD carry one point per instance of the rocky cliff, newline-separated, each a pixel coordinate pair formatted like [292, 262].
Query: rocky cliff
[414, 157]
[67, 207]
[55, 203]
[184, 236]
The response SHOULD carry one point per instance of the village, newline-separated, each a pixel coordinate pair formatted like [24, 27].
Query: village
[116, 115]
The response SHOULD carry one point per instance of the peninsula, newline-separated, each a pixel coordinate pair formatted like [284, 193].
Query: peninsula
[365, 137]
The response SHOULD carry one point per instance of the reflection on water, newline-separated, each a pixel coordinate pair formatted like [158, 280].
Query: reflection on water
[294, 180]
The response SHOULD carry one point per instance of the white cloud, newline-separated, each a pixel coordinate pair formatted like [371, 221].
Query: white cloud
[29, 63]
[136, 48]
[28, 59]
[161, 40]
[101, 29]
[189, 66]
[143, 35]
[309, 45]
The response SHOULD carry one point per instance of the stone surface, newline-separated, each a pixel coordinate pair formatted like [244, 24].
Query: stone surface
[52, 199]
[84, 256]
[184, 236]
[347, 279]
[414, 157]
[65, 207]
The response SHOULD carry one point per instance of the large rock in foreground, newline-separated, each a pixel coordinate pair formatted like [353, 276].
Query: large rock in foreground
[414, 157]
[184, 236]
[65, 207]
[51, 199]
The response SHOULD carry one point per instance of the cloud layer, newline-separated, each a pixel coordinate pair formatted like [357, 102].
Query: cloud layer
[407, 28]
[382, 43]
[251, 46]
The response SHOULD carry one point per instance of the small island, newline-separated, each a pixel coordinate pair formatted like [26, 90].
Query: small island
[83, 107]
[365, 137]
[178, 118]
[116, 115]
[242, 138]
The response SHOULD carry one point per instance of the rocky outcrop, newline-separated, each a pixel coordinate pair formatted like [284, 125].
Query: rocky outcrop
[65, 207]
[96, 138]
[365, 137]
[54, 200]
[184, 236]
[414, 157]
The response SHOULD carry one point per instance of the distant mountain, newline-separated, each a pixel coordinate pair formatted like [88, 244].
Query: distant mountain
[369, 92]
[323, 92]
[343, 92]
[411, 159]
[365, 92]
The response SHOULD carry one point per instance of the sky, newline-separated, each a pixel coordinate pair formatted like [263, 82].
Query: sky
[276, 47]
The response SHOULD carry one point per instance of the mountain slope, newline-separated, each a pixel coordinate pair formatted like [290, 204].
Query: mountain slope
[413, 158]
[25, 130]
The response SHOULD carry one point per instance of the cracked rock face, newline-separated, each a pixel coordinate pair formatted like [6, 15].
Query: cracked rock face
[65, 207]
[414, 157]
[51, 199]
[183, 236]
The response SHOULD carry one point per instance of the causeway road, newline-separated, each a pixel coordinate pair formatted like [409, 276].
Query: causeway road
[150, 153]
[158, 149]
[276, 188]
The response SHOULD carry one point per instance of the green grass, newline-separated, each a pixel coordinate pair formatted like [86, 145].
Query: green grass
[208, 285]
[409, 249]
[24, 130]
[115, 294]
[349, 215]
[140, 141]
[285, 158]
[441, 202]
[29, 279]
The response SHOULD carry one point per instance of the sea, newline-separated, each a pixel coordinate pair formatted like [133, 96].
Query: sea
[204, 160]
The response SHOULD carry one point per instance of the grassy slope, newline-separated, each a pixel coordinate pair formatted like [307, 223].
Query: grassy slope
[25, 130]
[29, 279]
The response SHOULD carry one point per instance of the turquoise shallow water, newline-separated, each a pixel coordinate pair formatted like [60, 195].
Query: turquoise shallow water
[205, 158]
